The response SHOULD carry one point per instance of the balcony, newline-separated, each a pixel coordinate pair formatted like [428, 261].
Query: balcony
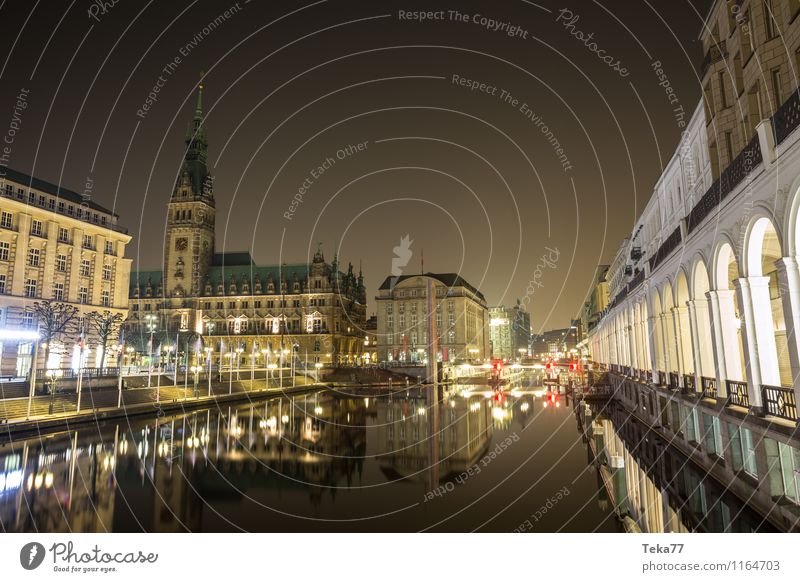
[709, 386]
[733, 175]
[688, 384]
[737, 393]
[714, 53]
[666, 248]
[780, 402]
[787, 117]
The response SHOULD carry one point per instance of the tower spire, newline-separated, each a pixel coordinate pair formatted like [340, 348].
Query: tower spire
[195, 168]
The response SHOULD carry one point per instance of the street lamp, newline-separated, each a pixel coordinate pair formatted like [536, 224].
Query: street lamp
[265, 352]
[150, 320]
[318, 365]
[208, 351]
[196, 371]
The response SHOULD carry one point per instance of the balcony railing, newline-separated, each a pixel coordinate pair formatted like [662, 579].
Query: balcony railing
[714, 53]
[737, 393]
[787, 117]
[779, 402]
[674, 381]
[709, 386]
[662, 378]
[733, 175]
[666, 248]
[688, 384]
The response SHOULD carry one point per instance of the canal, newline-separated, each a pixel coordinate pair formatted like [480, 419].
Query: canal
[463, 460]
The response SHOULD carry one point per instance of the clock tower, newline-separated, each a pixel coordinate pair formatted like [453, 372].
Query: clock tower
[190, 216]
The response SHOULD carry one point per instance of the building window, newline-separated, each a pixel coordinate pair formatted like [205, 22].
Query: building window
[742, 450]
[109, 247]
[105, 298]
[36, 228]
[690, 424]
[30, 288]
[5, 249]
[28, 319]
[88, 243]
[783, 462]
[777, 87]
[220, 305]
[71, 210]
[107, 272]
[769, 19]
[42, 200]
[6, 219]
[51, 204]
[61, 263]
[33, 257]
[713, 435]
[2, 284]
[86, 266]
[83, 295]
[58, 291]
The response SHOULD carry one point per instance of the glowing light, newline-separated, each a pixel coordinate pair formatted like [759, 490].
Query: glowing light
[524, 407]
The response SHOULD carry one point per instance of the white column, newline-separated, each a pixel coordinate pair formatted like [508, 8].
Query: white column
[697, 354]
[652, 325]
[758, 335]
[724, 332]
[705, 342]
[665, 343]
[789, 281]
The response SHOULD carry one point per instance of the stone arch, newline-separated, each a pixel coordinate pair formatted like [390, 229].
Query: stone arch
[668, 325]
[657, 331]
[701, 321]
[727, 313]
[763, 304]
[682, 325]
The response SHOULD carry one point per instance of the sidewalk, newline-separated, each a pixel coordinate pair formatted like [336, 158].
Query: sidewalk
[101, 404]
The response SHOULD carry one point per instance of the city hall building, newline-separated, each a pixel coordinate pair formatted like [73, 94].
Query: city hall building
[462, 319]
[57, 245]
[207, 307]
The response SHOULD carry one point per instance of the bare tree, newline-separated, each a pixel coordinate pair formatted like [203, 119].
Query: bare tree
[106, 325]
[54, 320]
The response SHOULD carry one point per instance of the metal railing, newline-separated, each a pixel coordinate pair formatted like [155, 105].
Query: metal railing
[671, 243]
[737, 393]
[709, 386]
[71, 374]
[779, 401]
[787, 117]
[731, 177]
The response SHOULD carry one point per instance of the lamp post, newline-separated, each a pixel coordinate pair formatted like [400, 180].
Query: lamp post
[196, 372]
[208, 351]
[318, 366]
[265, 352]
[151, 328]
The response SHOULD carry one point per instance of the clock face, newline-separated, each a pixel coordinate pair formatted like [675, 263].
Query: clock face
[181, 244]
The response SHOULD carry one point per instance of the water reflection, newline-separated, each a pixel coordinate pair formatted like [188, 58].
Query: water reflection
[659, 488]
[322, 461]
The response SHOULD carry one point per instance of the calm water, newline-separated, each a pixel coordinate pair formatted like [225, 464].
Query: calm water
[322, 462]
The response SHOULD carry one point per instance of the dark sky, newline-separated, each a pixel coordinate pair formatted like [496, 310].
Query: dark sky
[467, 175]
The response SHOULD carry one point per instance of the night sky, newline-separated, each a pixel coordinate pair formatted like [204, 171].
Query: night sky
[470, 174]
